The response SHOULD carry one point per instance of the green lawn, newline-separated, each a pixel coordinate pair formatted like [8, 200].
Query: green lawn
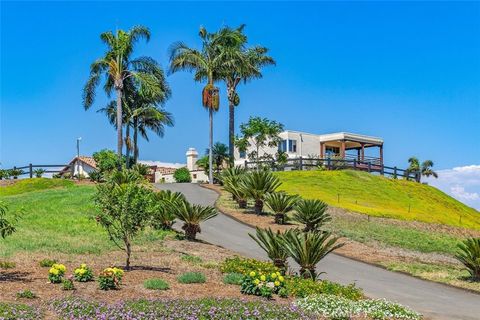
[379, 196]
[57, 220]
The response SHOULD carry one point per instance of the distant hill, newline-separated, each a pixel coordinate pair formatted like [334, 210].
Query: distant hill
[379, 196]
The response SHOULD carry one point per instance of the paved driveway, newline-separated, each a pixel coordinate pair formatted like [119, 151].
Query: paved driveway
[434, 300]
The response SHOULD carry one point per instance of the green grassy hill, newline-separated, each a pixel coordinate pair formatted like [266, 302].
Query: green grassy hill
[379, 196]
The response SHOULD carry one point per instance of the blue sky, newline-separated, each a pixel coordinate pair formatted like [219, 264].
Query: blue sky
[408, 72]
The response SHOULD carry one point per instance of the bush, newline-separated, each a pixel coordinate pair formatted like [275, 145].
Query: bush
[192, 215]
[182, 175]
[233, 278]
[56, 273]
[67, 285]
[47, 263]
[7, 265]
[301, 288]
[469, 255]
[19, 311]
[15, 173]
[311, 213]
[110, 278]
[165, 203]
[178, 309]
[39, 172]
[192, 277]
[264, 285]
[340, 308]
[257, 184]
[155, 284]
[244, 265]
[83, 273]
[106, 160]
[141, 168]
[26, 294]
[191, 259]
[96, 176]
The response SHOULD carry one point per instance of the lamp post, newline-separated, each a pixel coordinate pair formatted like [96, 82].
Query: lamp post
[78, 156]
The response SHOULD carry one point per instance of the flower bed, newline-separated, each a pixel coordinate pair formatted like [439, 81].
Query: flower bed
[18, 311]
[333, 307]
[77, 309]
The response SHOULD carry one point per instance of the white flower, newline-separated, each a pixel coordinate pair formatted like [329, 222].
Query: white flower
[270, 285]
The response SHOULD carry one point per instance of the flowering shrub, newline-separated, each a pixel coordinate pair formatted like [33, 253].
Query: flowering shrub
[207, 308]
[84, 273]
[340, 308]
[243, 266]
[263, 284]
[301, 288]
[56, 273]
[110, 278]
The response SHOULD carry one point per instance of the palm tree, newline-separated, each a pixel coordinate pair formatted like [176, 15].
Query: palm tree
[272, 244]
[207, 64]
[426, 169]
[308, 248]
[413, 166]
[220, 155]
[119, 68]
[243, 64]
[192, 216]
[281, 204]
[311, 213]
[469, 256]
[164, 207]
[257, 184]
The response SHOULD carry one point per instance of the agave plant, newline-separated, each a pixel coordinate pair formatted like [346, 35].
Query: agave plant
[281, 204]
[39, 172]
[308, 248]
[257, 184]
[166, 203]
[238, 193]
[192, 216]
[15, 173]
[234, 173]
[271, 242]
[469, 255]
[311, 213]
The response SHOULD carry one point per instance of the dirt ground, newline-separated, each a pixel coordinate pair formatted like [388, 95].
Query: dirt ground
[162, 262]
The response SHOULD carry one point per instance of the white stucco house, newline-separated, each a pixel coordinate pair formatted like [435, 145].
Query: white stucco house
[82, 165]
[342, 145]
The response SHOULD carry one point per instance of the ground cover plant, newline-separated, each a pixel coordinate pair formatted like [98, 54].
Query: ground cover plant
[76, 309]
[26, 294]
[156, 284]
[19, 311]
[337, 308]
[192, 277]
[379, 196]
[233, 278]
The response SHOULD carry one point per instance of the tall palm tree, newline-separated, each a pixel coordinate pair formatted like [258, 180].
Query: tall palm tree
[426, 169]
[118, 67]
[207, 63]
[220, 155]
[242, 64]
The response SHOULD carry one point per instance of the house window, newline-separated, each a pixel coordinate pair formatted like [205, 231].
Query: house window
[282, 146]
[194, 176]
[331, 151]
[242, 154]
[292, 145]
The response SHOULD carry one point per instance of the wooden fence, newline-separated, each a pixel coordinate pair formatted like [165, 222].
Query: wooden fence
[335, 164]
[49, 168]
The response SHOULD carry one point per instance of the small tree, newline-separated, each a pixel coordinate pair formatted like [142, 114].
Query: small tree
[182, 175]
[258, 133]
[257, 184]
[311, 213]
[272, 244]
[192, 216]
[107, 160]
[281, 204]
[125, 208]
[6, 225]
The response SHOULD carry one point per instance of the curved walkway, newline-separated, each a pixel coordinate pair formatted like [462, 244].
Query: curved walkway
[434, 300]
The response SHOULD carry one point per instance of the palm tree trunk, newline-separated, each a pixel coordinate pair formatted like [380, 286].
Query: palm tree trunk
[119, 127]
[231, 128]
[128, 145]
[135, 139]
[210, 151]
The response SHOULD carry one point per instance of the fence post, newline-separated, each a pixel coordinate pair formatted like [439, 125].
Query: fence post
[369, 167]
[395, 172]
[15, 168]
[301, 163]
[355, 164]
[329, 165]
[30, 167]
[246, 164]
[382, 170]
[417, 176]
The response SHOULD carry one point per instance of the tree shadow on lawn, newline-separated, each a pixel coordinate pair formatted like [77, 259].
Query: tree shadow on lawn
[15, 276]
[150, 268]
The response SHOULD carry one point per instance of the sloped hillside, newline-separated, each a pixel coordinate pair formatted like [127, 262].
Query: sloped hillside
[379, 196]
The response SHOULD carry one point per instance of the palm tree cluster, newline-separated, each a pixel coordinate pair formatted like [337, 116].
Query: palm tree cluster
[141, 89]
[423, 169]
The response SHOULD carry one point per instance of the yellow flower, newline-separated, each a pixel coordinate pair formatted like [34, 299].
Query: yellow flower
[83, 266]
[53, 271]
[281, 278]
[59, 267]
[274, 275]
[77, 271]
[278, 273]
[277, 283]
[256, 281]
[252, 274]
[263, 278]
[118, 271]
